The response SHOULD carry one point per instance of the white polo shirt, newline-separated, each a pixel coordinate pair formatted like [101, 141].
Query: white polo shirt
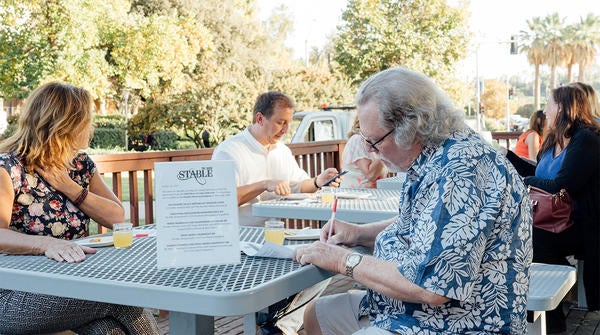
[253, 163]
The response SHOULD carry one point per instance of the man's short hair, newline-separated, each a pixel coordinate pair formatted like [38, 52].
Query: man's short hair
[266, 103]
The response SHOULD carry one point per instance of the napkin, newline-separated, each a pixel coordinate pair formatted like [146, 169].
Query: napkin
[269, 249]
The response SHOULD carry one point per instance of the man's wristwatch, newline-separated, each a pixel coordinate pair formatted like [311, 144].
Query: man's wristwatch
[351, 262]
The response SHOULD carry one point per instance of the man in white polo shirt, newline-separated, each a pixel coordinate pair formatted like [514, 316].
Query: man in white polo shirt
[265, 167]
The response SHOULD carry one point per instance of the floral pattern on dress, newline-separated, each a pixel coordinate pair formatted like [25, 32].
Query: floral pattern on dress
[38, 208]
[354, 151]
[463, 232]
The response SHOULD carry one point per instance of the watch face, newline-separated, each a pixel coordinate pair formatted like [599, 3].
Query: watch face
[353, 259]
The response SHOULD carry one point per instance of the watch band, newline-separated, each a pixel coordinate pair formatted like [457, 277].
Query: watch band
[349, 271]
[351, 262]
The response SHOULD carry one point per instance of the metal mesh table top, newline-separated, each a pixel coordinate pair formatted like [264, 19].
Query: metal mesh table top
[381, 204]
[136, 268]
[138, 265]
[392, 182]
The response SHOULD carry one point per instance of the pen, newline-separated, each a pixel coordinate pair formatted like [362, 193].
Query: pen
[140, 235]
[332, 217]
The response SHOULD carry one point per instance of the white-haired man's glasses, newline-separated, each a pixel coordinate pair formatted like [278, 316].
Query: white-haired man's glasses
[373, 144]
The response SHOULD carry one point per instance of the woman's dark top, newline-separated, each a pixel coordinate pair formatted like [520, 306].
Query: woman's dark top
[579, 174]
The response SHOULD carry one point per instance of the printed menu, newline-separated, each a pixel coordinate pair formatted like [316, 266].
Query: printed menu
[196, 214]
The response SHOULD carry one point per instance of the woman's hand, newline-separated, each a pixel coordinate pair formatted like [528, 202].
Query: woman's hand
[342, 232]
[326, 256]
[66, 251]
[59, 179]
[502, 150]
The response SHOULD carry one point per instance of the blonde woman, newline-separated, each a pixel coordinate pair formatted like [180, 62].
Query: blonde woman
[364, 168]
[49, 190]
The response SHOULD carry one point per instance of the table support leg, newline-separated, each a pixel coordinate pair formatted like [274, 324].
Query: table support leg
[538, 326]
[581, 299]
[192, 324]
[250, 324]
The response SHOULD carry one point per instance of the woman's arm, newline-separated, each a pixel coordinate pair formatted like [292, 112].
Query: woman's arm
[101, 204]
[579, 164]
[15, 243]
[523, 167]
[370, 168]
[533, 145]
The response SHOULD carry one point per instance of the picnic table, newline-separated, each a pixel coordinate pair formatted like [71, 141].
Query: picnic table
[354, 205]
[193, 295]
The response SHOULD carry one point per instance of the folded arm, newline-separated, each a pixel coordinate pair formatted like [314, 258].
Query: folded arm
[15, 243]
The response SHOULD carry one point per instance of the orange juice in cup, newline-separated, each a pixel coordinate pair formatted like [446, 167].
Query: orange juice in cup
[274, 231]
[327, 194]
[122, 235]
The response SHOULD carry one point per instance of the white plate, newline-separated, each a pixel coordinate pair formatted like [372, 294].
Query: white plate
[95, 241]
[349, 195]
[298, 196]
[303, 234]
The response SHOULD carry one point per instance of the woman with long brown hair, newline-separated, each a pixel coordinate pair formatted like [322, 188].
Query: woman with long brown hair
[49, 191]
[569, 159]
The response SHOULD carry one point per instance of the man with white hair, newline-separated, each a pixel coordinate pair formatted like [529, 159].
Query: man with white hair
[456, 258]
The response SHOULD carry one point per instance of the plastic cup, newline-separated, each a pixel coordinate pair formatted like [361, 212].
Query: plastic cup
[122, 235]
[327, 194]
[274, 231]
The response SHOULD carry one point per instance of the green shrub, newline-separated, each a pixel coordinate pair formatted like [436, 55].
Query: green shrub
[12, 124]
[185, 145]
[9, 131]
[109, 121]
[108, 138]
[164, 140]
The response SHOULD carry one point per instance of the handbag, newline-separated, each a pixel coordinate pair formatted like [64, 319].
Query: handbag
[551, 212]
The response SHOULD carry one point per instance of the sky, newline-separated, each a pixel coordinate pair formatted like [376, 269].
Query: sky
[492, 22]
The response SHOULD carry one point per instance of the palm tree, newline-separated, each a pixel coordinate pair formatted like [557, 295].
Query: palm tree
[570, 39]
[534, 45]
[556, 54]
[586, 40]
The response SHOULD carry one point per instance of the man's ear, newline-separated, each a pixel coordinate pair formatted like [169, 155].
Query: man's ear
[260, 118]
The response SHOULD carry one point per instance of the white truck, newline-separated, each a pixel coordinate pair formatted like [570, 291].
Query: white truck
[329, 123]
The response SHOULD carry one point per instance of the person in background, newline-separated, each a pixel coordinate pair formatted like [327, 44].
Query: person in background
[569, 159]
[364, 168]
[456, 259]
[264, 166]
[49, 190]
[591, 95]
[529, 142]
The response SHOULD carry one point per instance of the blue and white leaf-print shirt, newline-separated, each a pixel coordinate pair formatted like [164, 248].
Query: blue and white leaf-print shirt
[463, 232]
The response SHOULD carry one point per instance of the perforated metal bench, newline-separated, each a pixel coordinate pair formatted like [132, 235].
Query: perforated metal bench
[548, 285]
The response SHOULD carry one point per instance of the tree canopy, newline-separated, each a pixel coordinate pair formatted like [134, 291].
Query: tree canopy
[425, 35]
[197, 66]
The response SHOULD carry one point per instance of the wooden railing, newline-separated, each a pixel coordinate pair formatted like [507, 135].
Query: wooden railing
[505, 136]
[313, 157]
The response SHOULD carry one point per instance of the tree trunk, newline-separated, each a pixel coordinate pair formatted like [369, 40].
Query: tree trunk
[581, 76]
[569, 73]
[536, 87]
[553, 76]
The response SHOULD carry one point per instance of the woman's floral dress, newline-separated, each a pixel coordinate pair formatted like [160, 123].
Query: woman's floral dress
[39, 209]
